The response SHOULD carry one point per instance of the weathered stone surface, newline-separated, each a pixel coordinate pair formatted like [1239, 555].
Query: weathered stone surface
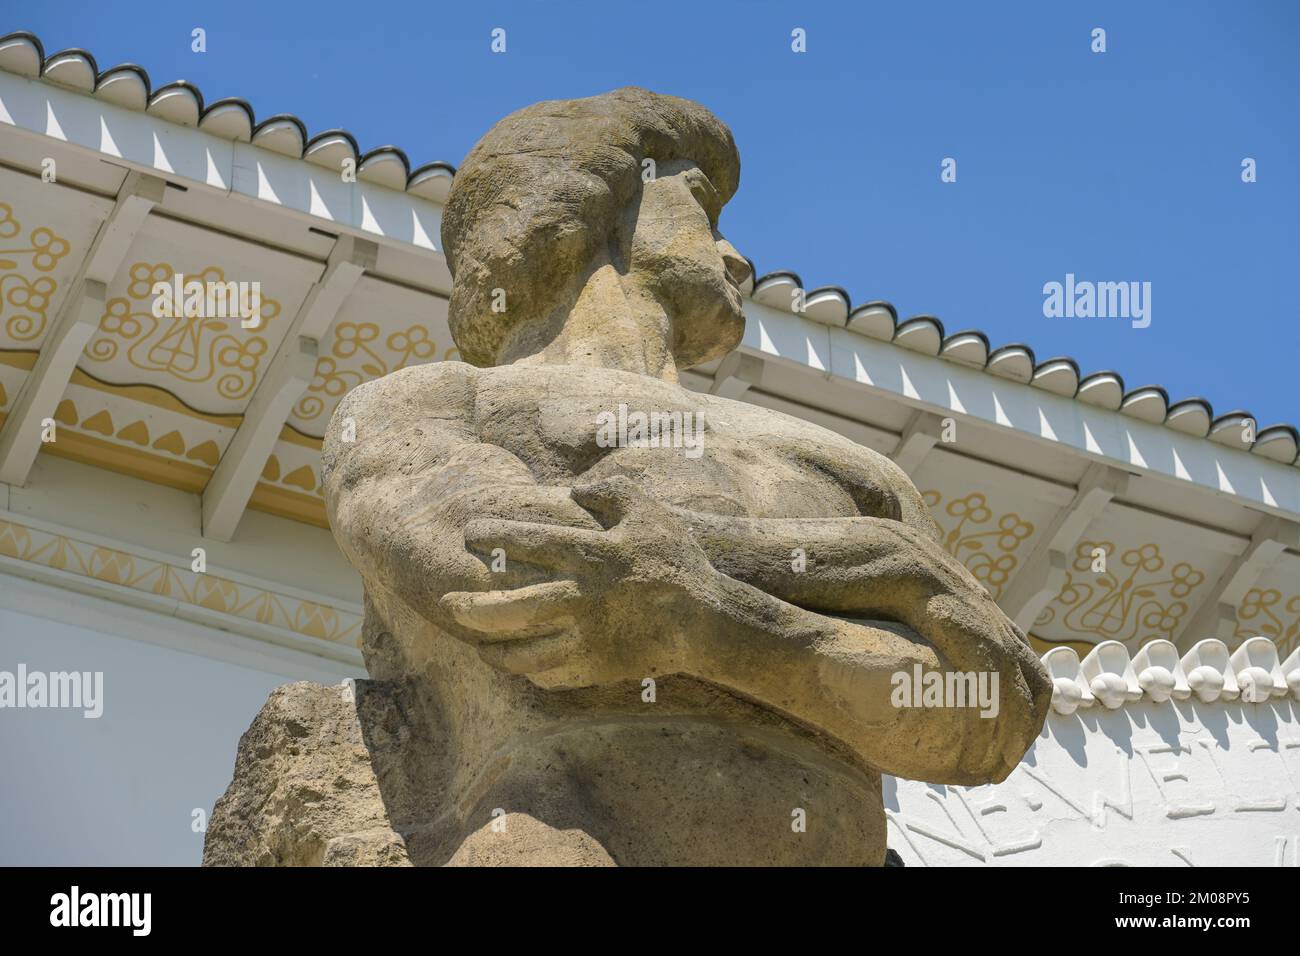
[537, 201]
[683, 650]
[516, 839]
[304, 792]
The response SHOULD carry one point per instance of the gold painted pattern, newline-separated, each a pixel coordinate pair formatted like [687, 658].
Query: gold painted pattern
[119, 430]
[210, 591]
[278, 500]
[356, 356]
[24, 298]
[1137, 598]
[987, 548]
[1266, 612]
[187, 348]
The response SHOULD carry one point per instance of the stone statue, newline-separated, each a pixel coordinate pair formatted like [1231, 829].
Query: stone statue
[609, 619]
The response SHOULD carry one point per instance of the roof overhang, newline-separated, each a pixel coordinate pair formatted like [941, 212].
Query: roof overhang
[359, 288]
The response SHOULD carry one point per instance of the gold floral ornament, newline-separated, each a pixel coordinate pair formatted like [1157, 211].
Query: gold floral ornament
[27, 298]
[989, 553]
[1137, 601]
[191, 348]
[1264, 613]
[355, 357]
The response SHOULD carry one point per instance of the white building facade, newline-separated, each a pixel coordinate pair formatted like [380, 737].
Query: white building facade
[161, 519]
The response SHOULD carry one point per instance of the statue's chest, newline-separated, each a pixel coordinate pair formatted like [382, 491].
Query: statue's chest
[678, 451]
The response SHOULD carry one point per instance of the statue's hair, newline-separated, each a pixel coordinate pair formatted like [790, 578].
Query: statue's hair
[540, 194]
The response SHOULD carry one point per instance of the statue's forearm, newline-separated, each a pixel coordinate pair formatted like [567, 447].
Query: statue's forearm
[837, 676]
[766, 615]
[876, 570]
[421, 535]
[813, 562]
[857, 567]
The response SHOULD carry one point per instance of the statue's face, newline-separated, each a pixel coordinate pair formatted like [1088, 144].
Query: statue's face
[676, 254]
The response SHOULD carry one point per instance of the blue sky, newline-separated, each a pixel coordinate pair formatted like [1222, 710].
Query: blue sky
[1119, 166]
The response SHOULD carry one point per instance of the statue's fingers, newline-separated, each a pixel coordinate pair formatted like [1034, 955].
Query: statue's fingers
[556, 547]
[533, 656]
[513, 615]
[609, 499]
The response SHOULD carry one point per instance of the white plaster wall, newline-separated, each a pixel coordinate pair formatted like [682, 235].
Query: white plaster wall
[1148, 784]
[121, 789]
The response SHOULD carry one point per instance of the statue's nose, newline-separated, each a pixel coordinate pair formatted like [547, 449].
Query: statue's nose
[737, 266]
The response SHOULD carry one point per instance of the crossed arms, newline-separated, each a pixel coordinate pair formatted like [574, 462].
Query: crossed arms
[599, 583]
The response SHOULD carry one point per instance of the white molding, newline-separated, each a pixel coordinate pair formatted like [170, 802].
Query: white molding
[1009, 479]
[919, 436]
[49, 597]
[38, 400]
[245, 251]
[201, 160]
[77, 200]
[180, 561]
[348, 261]
[1031, 414]
[289, 375]
[236, 475]
[1109, 676]
[1177, 531]
[736, 374]
[1217, 614]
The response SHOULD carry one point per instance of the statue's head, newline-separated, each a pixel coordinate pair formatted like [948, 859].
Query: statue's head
[629, 180]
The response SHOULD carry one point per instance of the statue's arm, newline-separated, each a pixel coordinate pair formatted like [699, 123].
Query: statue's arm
[859, 566]
[659, 591]
[787, 638]
[404, 471]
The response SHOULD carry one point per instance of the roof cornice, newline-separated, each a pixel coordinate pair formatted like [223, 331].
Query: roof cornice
[367, 208]
[128, 85]
[1109, 679]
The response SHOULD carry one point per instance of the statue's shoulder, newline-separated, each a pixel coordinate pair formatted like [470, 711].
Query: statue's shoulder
[857, 465]
[432, 380]
[438, 388]
[417, 396]
[785, 431]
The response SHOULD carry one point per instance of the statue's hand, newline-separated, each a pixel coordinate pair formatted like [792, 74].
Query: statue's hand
[617, 603]
[868, 570]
